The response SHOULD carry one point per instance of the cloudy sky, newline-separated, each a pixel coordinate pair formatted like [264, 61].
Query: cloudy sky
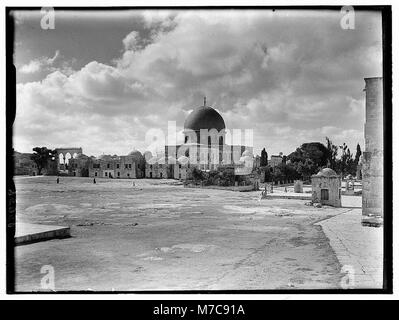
[102, 80]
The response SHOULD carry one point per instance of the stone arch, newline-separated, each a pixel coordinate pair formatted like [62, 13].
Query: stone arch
[64, 154]
[215, 136]
[67, 157]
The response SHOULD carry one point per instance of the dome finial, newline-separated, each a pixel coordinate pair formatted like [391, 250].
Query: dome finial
[205, 101]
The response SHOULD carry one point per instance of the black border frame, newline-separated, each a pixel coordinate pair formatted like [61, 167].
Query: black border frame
[386, 12]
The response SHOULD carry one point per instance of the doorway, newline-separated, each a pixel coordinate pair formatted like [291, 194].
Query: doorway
[324, 194]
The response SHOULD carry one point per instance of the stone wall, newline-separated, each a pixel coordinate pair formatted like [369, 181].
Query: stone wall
[23, 165]
[159, 171]
[123, 167]
[181, 171]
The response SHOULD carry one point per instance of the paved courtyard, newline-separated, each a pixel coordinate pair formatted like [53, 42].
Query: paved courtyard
[359, 249]
[158, 235]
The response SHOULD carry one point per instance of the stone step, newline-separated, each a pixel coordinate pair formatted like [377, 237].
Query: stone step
[26, 233]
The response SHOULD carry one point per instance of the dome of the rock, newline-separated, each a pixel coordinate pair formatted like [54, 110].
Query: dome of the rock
[204, 118]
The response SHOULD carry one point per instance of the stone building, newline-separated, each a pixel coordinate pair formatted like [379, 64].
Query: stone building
[151, 168]
[326, 188]
[108, 165]
[182, 168]
[205, 141]
[24, 165]
[165, 167]
[79, 166]
[275, 160]
[131, 166]
[138, 158]
[372, 170]
[160, 167]
[64, 155]
[204, 148]
[94, 167]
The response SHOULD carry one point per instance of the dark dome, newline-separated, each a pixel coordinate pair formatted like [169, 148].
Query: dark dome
[135, 153]
[137, 156]
[204, 118]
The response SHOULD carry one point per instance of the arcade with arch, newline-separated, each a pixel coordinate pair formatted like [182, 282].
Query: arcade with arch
[64, 155]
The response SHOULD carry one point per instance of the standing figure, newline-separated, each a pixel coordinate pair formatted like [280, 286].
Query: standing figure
[94, 180]
[58, 179]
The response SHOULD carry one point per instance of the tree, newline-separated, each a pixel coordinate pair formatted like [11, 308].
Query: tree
[267, 172]
[309, 158]
[306, 168]
[358, 154]
[291, 172]
[263, 158]
[226, 176]
[284, 172]
[332, 154]
[41, 156]
[197, 174]
[346, 163]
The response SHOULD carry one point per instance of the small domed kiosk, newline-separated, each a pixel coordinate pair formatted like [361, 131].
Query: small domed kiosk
[326, 188]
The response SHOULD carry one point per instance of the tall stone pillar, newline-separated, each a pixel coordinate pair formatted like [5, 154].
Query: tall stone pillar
[373, 193]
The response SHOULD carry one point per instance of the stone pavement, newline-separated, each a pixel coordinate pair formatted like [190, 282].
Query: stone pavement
[359, 249]
[157, 235]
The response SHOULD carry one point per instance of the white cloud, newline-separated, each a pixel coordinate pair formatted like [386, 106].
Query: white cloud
[292, 80]
[131, 41]
[37, 65]
[32, 67]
